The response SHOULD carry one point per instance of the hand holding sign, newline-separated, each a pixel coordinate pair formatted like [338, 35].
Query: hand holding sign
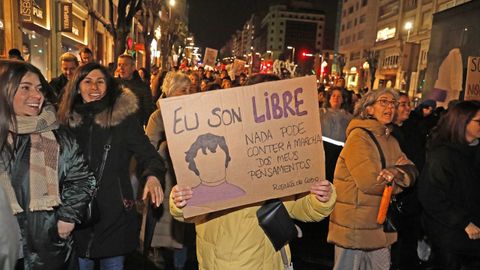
[322, 190]
[181, 194]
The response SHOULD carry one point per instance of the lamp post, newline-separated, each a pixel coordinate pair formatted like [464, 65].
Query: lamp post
[324, 66]
[365, 66]
[408, 27]
[293, 53]
[372, 61]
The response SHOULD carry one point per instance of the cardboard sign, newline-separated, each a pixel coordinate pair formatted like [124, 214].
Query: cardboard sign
[210, 57]
[245, 144]
[472, 83]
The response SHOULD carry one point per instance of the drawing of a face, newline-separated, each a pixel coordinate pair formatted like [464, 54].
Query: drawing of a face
[211, 166]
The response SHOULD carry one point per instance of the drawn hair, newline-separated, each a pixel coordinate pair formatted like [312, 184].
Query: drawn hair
[203, 142]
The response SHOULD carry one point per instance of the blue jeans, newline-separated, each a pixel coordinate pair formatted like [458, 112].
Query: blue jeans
[180, 257]
[110, 263]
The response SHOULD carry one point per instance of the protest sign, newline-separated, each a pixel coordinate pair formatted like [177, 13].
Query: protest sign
[245, 144]
[472, 83]
[210, 57]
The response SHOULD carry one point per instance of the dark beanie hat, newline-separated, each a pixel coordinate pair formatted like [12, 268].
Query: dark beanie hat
[429, 103]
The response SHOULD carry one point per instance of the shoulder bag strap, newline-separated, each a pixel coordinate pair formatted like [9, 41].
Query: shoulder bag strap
[106, 148]
[380, 151]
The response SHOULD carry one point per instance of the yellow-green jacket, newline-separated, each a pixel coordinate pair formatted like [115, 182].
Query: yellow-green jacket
[232, 239]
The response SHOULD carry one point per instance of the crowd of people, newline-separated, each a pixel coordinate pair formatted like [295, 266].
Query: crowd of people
[81, 137]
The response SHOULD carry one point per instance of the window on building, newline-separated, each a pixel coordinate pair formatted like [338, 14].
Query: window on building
[348, 40]
[281, 31]
[344, 13]
[272, 31]
[355, 22]
[350, 10]
[427, 19]
[363, 18]
[281, 23]
[364, 3]
[343, 27]
[353, 37]
[360, 35]
[349, 25]
[410, 5]
[280, 47]
[354, 56]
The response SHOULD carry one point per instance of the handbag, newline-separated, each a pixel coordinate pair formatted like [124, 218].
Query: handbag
[275, 221]
[92, 211]
[392, 219]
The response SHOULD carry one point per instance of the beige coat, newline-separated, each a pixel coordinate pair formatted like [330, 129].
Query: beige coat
[353, 221]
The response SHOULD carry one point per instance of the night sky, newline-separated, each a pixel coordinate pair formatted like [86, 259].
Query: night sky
[214, 21]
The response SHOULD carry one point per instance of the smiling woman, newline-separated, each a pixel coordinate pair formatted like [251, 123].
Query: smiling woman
[42, 170]
[102, 116]
[28, 99]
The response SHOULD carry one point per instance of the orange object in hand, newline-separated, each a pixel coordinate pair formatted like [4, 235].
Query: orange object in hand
[384, 203]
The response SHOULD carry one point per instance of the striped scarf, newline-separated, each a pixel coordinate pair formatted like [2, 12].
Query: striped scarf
[43, 169]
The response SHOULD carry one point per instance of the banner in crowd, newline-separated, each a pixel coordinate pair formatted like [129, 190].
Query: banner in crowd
[246, 144]
[472, 83]
[210, 57]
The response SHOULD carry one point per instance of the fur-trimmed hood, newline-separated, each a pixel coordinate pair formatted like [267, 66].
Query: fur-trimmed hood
[125, 105]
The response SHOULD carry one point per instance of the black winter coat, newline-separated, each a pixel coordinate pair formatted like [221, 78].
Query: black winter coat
[448, 190]
[144, 97]
[58, 84]
[117, 232]
[43, 248]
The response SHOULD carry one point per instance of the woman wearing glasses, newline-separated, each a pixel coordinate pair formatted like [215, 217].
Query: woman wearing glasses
[360, 178]
[449, 186]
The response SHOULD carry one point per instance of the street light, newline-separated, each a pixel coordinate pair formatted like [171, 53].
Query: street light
[408, 27]
[293, 53]
[365, 66]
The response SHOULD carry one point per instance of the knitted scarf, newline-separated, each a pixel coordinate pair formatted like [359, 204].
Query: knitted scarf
[43, 169]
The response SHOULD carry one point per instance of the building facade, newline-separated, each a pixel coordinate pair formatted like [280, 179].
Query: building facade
[395, 33]
[44, 29]
[291, 33]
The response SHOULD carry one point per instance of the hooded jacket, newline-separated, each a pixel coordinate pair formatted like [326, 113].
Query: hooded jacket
[353, 223]
[233, 239]
[117, 232]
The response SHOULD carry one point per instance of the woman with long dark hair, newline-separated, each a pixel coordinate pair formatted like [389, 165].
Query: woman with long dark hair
[449, 185]
[42, 170]
[102, 115]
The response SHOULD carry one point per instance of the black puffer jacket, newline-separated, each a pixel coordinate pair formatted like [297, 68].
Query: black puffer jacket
[117, 232]
[44, 249]
[448, 191]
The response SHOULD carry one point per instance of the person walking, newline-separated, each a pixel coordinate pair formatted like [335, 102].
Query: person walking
[233, 238]
[360, 242]
[102, 115]
[448, 188]
[42, 170]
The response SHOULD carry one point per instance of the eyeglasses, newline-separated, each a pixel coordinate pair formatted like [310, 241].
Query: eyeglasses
[386, 102]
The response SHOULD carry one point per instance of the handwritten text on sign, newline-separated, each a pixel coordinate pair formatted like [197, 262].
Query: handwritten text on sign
[472, 84]
[246, 144]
